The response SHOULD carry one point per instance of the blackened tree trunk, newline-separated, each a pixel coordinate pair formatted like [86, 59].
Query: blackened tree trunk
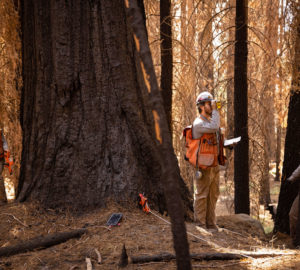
[168, 159]
[241, 154]
[288, 190]
[166, 58]
[88, 128]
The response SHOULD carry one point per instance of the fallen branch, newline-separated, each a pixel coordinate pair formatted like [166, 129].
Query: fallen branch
[99, 258]
[16, 219]
[41, 242]
[89, 265]
[165, 257]
[200, 257]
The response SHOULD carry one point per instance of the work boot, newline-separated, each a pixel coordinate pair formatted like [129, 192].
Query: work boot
[202, 229]
[213, 228]
[201, 225]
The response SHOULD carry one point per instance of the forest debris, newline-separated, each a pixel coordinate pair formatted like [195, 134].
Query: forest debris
[201, 256]
[41, 242]
[73, 267]
[165, 257]
[124, 257]
[218, 266]
[89, 265]
[99, 260]
[16, 219]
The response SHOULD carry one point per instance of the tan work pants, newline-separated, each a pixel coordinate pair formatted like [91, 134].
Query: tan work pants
[294, 217]
[206, 193]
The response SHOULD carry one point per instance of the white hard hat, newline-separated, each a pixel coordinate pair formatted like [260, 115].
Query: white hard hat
[204, 96]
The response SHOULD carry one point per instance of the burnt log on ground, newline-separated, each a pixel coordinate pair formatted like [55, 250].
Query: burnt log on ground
[200, 256]
[41, 242]
[166, 257]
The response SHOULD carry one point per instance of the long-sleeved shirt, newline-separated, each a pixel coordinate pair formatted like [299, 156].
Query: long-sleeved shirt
[201, 126]
[5, 145]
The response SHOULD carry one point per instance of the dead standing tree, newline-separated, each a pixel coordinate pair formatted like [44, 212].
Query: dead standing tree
[241, 154]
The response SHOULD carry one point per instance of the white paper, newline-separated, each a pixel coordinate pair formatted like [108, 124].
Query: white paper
[232, 141]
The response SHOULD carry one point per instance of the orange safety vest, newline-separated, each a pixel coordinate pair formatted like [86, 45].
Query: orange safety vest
[205, 152]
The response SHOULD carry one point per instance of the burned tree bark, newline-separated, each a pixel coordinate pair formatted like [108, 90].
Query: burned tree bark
[88, 128]
[41, 242]
[170, 169]
[241, 153]
[288, 190]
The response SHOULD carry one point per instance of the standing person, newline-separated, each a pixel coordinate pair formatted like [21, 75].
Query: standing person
[206, 185]
[3, 148]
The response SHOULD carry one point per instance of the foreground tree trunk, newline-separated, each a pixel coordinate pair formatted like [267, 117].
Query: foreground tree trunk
[88, 126]
[241, 153]
[288, 190]
[168, 159]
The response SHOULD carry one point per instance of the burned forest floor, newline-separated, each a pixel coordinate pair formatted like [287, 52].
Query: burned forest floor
[141, 233]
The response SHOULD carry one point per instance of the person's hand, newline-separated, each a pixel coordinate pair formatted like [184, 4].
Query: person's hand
[213, 105]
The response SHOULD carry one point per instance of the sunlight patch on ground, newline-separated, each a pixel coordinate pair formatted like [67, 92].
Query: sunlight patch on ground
[280, 262]
[10, 189]
[266, 219]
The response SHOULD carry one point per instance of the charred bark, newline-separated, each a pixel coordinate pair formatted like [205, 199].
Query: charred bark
[41, 242]
[170, 169]
[241, 153]
[288, 190]
[88, 128]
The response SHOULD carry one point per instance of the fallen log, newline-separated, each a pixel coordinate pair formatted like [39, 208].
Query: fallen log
[166, 257]
[201, 256]
[41, 242]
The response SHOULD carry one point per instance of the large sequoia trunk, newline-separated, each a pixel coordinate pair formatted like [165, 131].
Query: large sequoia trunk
[87, 121]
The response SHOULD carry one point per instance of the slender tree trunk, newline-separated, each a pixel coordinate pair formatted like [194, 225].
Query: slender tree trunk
[166, 58]
[229, 133]
[230, 74]
[279, 104]
[289, 191]
[268, 93]
[278, 150]
[190, 44]
[171, 175]
[206, 48]
[241, 154]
